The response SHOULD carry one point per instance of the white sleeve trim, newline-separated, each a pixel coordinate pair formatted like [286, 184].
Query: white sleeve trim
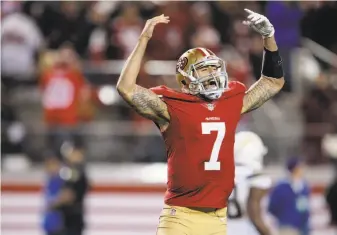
[261, 182]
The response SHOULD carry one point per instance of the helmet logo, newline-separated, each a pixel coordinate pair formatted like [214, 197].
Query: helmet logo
[182, 62]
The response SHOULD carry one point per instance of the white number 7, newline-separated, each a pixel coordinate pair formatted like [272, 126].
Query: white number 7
[220, 127]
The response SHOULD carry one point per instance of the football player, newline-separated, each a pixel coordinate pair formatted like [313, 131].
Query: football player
[198, 126]
[251, 185]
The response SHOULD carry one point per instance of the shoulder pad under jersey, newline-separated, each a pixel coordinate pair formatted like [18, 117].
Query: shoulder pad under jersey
[238, 86]
[165, 92]
[234, 88]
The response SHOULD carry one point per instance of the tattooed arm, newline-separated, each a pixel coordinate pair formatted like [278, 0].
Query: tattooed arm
[260, 92]
[147, 104]
[265, 88]
[144, 101]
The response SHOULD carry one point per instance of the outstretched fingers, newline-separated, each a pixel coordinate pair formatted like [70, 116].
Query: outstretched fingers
[249, 11]
[160, 19]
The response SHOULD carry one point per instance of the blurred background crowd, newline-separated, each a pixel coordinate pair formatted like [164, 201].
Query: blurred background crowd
[60, 62]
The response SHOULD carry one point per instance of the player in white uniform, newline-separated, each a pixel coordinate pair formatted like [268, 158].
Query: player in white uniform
[245, 216]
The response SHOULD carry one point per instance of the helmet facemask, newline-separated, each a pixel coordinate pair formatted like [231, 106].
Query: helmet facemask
[210, 86]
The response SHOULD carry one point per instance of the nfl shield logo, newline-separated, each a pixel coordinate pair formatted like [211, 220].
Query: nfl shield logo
[210, 107]
[173, 211]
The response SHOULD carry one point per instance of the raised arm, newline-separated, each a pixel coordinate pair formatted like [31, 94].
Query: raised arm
[143, 100]
[271, 80]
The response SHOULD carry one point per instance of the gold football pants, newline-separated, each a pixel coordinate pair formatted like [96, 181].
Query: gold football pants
[175, 220]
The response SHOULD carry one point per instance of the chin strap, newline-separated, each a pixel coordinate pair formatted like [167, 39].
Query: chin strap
[182, 72]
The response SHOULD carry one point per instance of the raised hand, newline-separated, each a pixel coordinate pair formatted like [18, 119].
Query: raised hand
[259, 23]
[151, 23]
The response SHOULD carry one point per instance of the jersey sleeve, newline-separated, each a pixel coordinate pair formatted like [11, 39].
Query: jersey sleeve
[159, 90]
[165, 94]
[172, 94]
[260, 181]
[162, 92]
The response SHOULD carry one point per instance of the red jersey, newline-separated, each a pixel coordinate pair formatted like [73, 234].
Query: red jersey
[199, 144]
[60, 95]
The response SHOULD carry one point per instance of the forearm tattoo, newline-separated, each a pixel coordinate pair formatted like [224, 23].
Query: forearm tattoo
[260, 92]
[148, 104]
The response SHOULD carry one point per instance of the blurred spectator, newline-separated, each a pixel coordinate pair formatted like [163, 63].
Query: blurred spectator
[12, 130]
[318, 107]
[286, 18]
[238, 57]
[289, 201]
[236, 65]
[75, 188]
[21, 41]
[288, 28]
[98, 41]
[62, 24]
[65, 192]
[171, 40]
[320, 14]
[126, 28]
[329, 145]
[52, 217]
[68, 21]
[221, 11]
[256, 55]
[332, 202]
[66, 98]
[309, 9]
[205, 35]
